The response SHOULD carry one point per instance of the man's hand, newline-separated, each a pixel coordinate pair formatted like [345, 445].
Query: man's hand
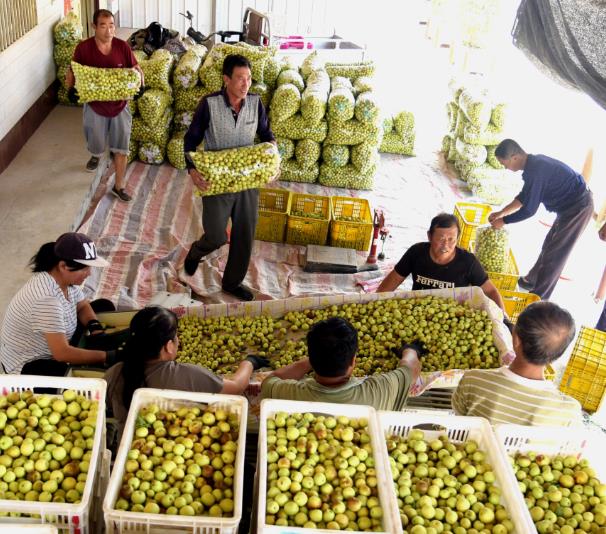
[493, 216]
[198, 180]
[72, 95]
[497, 223]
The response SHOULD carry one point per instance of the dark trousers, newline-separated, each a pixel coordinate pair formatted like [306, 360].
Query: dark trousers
[216, 210]
[558, 245]
[602, 320]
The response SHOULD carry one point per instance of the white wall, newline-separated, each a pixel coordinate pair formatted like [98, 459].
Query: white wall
[27, 67]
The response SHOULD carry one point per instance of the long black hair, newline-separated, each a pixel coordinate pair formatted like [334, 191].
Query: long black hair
[150, 329]
[45, 260]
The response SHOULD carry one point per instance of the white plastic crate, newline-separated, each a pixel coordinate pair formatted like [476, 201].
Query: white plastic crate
[459, 429]
[269, 407]
[67, 518]
[121, 521]
[581, 442]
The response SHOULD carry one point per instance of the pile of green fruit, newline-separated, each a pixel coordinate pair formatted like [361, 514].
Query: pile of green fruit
[293, 171]
[335, 155]
[347, 176]
[321, 473]
[351, 70]
[46, 446]
[492, 249]
[296, 127]
[181, 462]
[455, 335]
[285, 102]
[237, 169]
[307, 152]
[563, 493]
[98, 84]
[443, 486]
[186, 71]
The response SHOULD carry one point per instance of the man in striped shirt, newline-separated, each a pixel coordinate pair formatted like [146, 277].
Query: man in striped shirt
[520, 394]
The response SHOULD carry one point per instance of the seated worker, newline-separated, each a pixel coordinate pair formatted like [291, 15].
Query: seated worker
[439, 263]
[520, 394]
[42, 318]
[149, 362]
[332, 346]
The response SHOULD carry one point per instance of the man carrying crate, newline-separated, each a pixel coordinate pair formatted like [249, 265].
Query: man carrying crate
[560, 189]
[226, 119]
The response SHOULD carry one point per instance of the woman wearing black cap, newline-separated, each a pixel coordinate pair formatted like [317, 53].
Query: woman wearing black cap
[42, 317]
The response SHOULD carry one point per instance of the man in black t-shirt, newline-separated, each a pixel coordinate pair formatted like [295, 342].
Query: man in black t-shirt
[440, 264]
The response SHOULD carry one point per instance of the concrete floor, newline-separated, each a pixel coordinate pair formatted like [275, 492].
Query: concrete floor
[42, 192]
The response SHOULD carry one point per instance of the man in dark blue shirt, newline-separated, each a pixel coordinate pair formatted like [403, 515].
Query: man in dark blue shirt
[561, 190]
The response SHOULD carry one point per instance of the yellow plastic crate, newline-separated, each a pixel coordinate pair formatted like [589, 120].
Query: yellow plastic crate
[549, 373]
[304, 229]
[585, 375]
[355, 234]
[470, 215]
[273, 212]
[503, 281]
[516, 302]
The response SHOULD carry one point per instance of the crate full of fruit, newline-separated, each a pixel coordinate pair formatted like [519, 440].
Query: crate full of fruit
[336, 482]
[351, 224]
[52, 444]
[180, 465]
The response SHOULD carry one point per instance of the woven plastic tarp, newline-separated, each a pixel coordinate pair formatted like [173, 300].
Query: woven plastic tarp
[565, 39]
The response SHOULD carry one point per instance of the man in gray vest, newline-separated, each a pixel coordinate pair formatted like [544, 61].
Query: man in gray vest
[229, 118]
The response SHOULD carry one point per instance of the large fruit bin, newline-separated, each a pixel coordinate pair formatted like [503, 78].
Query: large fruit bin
[67, 518]
[579, 443]
[458, 429]
[473, 296]
[269, 408]
[150, 523]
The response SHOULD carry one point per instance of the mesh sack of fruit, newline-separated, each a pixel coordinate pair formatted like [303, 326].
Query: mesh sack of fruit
[97, 84]
[446, 140]
[387, 125]
[313, 105]
[350, 70]
[296, 127]
[404, 123]
[452, 152]
[492, 248]
[63, 53]
[491, 192]
[307, 152]
[186, 71]
[62, 73]
[346, 176]
[340, 82]
[478, 136]
[258, 88]
[63, 98]
[286, 148]
[237, 169]
[367, 107]
[476, 105]
[352, 132]
[271, 72]
[394, 143]
[140, 55]
[157, 72]
[189, 99]
[293, 77]
[497, 116]
[133, 151]
[452, 111]
[182, 120]
[474, 153]
[461, 123]
[292, 171]
[364, 156]
[68, 29]
[153, 104]
[487, 172]
[156, 133]
[335, 155]
[465, 168]
[285, 102]
[311, 63]
[151, 153]
[341, 104]
[492, 158]
[363, 84]
[257, 56]
[132, 107]
[174, 150]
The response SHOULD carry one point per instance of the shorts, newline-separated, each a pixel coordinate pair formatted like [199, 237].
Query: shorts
[98, 129]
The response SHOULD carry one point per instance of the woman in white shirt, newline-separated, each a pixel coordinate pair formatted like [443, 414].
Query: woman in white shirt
[42, 317]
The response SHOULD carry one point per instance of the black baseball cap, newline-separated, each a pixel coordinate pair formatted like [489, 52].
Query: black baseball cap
[79, 248]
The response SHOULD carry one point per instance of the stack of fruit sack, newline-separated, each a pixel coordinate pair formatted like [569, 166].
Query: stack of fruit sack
[152, 112]
[67, 33]
[326, 122]
[399, 134]
[492, 248]
[476, 122]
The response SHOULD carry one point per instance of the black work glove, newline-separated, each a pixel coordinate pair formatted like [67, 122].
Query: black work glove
[414, 345]
[258, 361]
[140, 93]
[94, 327]
[72, 95]
[112, 357]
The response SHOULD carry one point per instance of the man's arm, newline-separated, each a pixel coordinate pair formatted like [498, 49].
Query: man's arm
[390, 282]
[62, 351]
[193, 137]
[263, 130]
[410, 359]
[240, 379]
[294, 371]
[493, 294]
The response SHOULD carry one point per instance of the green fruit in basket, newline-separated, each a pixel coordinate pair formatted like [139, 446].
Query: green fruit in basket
[184, 464]
[558, 489]
[455, 335]
[321, 470]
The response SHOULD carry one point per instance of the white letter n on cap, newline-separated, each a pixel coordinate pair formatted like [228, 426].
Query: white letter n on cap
[89, 248]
